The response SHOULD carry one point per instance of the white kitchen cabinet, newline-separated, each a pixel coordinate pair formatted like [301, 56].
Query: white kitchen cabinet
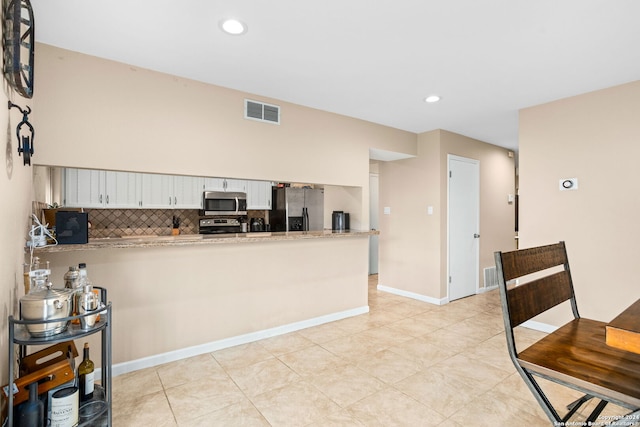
[171, 192]
[214, 184]
[259, 194]
[157, 191]
[122, 190]
[225, 184]
[88, 188]
[85, 188]
[236, 185]
[187, 192]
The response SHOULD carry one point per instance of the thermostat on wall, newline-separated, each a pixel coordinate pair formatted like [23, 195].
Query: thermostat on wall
[568, 184]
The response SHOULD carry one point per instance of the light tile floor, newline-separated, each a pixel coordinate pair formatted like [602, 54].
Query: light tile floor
[405, 363]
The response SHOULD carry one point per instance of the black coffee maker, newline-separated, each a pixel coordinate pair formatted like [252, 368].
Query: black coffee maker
[339, 221]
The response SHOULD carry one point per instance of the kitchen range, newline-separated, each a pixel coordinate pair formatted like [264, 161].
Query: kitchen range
[218, 207]
[226, 212]
[221, 226]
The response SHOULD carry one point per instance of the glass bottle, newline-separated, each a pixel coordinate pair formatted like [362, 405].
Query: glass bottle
[80, 283]
[305, 219]
[86, 375]
[31, 413]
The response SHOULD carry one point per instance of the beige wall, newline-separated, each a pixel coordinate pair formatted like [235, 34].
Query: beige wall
[15, 189]
[409, 254]
[593, 137]
[413, 245]
[106, 115]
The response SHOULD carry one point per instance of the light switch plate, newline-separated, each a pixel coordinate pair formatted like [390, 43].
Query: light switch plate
[387, 210]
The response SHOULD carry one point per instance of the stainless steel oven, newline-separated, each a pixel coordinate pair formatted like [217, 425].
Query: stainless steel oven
[223, 203]
[219, 226]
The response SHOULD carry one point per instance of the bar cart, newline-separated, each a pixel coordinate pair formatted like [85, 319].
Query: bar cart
[97, 411]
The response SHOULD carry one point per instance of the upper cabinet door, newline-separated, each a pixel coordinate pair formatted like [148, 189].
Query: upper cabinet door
[123, 190]
[188, 192]
[214, 184]
[235, 185]
[84, 188]
[157, 191]
[225, 184]
[259, 194]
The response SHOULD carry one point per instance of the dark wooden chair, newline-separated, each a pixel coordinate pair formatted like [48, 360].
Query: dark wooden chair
[575, 355]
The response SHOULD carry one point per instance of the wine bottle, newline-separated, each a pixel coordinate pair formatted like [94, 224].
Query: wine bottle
[86, 375]
[305, 219]
[31, 413]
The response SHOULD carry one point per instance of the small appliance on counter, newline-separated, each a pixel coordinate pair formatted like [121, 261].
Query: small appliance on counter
[339, 221]
[219, 225]
[72, 227]
[257, 225]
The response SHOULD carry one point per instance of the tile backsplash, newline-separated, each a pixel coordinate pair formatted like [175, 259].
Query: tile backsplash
[140, 222]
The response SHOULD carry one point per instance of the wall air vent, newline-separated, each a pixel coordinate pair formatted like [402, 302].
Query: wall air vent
[260, 111]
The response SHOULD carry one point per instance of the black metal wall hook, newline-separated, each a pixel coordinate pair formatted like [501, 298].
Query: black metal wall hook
[25, 140]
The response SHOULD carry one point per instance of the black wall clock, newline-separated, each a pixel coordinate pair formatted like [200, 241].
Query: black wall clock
[18, 38]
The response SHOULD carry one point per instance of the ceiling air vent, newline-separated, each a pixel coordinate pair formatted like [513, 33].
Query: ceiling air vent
[260, 111]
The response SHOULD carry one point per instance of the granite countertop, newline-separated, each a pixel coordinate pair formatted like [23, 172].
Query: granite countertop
[202, 239]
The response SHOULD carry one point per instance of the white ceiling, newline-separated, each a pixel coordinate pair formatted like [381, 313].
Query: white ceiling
[373, 60]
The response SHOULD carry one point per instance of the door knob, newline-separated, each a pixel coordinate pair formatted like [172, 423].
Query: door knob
[476, 236]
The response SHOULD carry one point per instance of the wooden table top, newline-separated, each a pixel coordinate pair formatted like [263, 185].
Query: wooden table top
[624, 331]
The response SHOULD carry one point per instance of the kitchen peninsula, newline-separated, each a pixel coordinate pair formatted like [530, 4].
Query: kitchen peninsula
[178, 296]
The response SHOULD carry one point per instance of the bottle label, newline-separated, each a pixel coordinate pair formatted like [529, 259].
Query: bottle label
[88, 383]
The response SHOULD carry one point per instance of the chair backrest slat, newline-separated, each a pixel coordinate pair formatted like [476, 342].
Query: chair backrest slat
[526, 261]
[537, 296]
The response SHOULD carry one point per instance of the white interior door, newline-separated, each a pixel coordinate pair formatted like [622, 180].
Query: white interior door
[373, 222]
[464, 226]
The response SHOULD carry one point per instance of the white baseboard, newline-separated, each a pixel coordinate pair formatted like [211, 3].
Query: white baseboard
[539, 326]
[490, 288]
[172, 356]
[413, 295]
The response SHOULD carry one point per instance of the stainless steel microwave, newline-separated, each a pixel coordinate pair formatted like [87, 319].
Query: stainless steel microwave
[224, 203]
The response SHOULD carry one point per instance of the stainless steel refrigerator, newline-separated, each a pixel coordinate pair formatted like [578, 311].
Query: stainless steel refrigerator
[297, 209]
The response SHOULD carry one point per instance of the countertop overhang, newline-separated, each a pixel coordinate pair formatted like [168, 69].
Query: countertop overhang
[203, 239]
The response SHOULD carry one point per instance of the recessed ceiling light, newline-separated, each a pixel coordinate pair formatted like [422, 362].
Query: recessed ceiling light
[432, 98]
[233, 27]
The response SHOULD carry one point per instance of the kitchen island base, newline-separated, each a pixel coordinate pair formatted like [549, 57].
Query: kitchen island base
[178, 301]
